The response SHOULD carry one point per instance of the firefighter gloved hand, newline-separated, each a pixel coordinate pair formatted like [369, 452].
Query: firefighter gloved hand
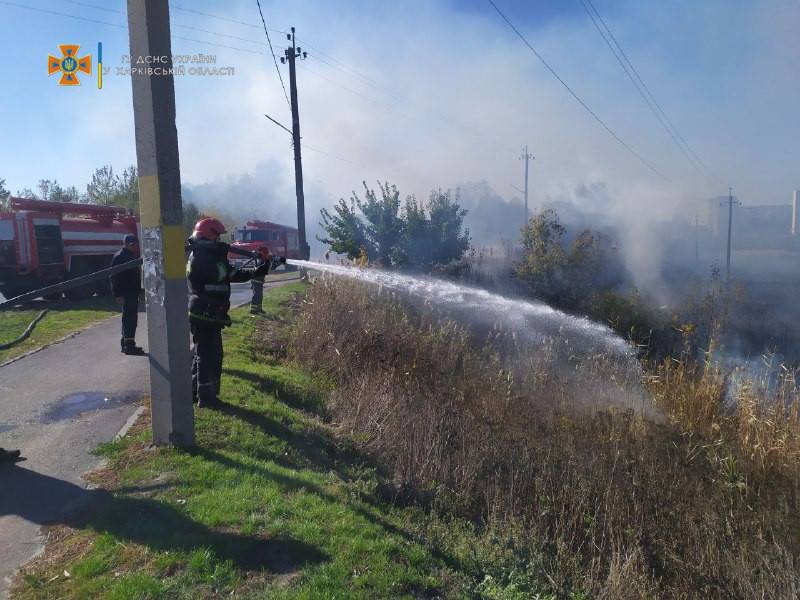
[262, 270]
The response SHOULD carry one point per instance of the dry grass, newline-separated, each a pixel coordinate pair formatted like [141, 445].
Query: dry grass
[618, 503]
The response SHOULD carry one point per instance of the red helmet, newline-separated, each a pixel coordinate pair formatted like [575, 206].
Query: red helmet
[209, 228]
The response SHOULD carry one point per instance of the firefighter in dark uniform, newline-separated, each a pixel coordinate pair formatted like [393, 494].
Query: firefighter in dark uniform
[257, 300]
[210, 275]
[127, 287]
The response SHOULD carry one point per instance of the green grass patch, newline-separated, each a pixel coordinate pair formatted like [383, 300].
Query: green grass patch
[65, 317]
[269, 504]
[282, 276]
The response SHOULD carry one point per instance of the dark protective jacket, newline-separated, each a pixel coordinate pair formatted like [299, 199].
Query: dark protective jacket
[209, 275]
[126, 283]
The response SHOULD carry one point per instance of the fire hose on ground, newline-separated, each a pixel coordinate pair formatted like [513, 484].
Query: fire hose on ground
[27, 333]
[261, 256]
[59, 287]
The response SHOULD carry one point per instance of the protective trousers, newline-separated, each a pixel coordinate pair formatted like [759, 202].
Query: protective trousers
[257, 285]
[130, 319]
[207, 363]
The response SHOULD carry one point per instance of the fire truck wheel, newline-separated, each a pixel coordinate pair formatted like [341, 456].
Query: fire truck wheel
[84, 291]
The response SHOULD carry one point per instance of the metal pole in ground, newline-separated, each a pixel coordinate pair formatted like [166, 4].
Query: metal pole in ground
[162, 222]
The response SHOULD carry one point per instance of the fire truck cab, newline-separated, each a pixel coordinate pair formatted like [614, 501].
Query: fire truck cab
[43, 243]
[280, 240]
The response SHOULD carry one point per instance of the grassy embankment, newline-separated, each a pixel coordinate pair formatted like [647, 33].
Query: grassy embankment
[421, 461]
[270, 504]
[683, 495]
[64, 318]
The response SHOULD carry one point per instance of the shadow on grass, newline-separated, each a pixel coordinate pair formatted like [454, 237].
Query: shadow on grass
[158, 526]
[284, 393]
[295, 484]
[318, 450]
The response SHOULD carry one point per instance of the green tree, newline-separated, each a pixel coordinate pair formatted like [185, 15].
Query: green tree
[346, 231]
[385, 225]
[435, 234]
[191, 215]
[413, 235]
[53, 191]
[70, 194]
[378, 229]
[127, 190]
[104, 186]
[565, 278]
[27, 193]
[4, 195]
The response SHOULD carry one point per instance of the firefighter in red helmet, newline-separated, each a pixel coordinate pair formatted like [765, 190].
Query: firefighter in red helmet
[209, 276]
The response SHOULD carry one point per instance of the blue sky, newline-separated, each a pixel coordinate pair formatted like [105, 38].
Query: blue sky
[464, 96]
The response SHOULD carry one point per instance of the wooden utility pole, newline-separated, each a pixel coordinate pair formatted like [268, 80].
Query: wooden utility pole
[526, 157]
[162, 223]
[730, 202]
[290, 55]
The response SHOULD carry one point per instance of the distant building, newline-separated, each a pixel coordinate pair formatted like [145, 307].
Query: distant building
[754, 227]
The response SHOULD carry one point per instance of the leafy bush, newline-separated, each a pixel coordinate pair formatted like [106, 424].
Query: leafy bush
[561, 277]
[417, 235]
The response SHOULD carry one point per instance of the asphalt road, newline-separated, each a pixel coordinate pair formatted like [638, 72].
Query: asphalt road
[56, 405]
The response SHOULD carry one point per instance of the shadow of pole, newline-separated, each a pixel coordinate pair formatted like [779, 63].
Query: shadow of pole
[145, 521]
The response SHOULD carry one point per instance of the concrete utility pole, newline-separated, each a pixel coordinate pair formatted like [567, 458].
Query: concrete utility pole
[526, 157]
[162, 224]
[291, 53]
[730, 203]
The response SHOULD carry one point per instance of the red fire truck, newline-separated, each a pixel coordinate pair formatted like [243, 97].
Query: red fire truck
[280, 240]
[43, 243]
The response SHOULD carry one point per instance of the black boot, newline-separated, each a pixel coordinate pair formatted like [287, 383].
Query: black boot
[206, 396]
[6, 455]
[132, 349]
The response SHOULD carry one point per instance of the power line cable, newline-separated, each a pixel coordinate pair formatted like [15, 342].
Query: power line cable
[350, 162]
[356, 73]
[574, 95]
[641, 92]
[118, 25]
[172, 24]
[344, 87]
[250, 51]
[357, 78]
[60, 14]
[205, 14]
[266, 31]
[398, 98]
[287, 130]
[647, 90]
[346, 70]
[432, 113]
